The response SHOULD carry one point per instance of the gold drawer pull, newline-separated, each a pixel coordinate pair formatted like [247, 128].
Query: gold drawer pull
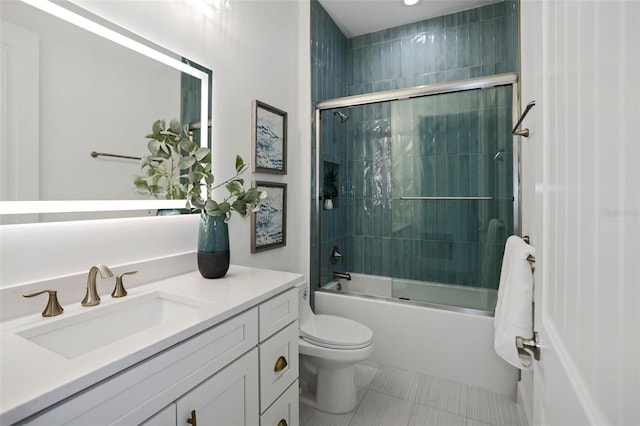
[281, 363]
[282, 422]
[192, 419]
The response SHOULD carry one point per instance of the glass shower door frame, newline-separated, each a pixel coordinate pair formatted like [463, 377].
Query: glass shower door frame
[508, 79]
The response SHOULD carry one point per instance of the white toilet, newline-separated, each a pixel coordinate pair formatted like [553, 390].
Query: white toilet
[330, 347]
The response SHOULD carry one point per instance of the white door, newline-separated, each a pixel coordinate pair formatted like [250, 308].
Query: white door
[581, 64]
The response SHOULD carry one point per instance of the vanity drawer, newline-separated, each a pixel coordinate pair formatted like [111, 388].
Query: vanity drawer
[277, 312]
[278, 364]
[285, 411]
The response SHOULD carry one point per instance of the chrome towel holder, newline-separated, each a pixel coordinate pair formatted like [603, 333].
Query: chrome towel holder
[531, 259]
[533, 344]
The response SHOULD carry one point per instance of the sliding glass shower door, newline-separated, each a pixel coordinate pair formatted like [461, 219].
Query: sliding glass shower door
[453, 194]
[422, 192]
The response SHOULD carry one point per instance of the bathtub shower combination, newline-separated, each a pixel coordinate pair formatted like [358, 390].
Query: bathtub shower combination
[423, 184]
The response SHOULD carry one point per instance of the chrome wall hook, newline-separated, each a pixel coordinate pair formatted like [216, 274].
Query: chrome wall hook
[523, 132]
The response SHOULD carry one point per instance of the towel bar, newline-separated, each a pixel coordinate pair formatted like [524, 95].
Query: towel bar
[95, 154]
[533, 344]
[445, 198]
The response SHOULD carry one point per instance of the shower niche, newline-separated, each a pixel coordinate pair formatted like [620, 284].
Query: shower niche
[331, 185]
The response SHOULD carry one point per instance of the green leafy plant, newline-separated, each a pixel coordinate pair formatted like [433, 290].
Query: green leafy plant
[330, 184]
[178, 168]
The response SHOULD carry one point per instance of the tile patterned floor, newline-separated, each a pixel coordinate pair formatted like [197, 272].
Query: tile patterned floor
[393, 397]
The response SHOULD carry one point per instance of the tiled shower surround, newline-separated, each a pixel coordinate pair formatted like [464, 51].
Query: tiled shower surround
[434, 146]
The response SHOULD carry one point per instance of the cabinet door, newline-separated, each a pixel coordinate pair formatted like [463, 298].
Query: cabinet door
[228, 398]
[165, 417]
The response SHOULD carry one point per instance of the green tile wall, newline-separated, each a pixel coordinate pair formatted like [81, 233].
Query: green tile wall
[380, 234]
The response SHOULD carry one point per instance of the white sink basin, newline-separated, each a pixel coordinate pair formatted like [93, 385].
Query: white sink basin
[100, 326]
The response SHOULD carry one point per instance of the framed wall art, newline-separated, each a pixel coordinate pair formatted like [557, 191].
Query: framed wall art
[269, 223]
[268, 139]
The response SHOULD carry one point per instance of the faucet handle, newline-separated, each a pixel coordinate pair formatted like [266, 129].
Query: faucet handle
[335, 255]
[53, 307]
[119, 290]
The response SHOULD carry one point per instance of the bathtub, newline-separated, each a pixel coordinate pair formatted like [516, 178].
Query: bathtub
[481, 301]
[430, 338]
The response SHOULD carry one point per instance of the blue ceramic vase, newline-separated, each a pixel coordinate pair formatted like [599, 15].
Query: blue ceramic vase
[213, 246]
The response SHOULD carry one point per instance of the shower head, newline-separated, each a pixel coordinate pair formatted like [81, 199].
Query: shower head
[343, 117]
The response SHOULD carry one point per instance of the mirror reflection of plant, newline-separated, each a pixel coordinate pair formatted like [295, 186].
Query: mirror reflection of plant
[167, 167]
[178, 168]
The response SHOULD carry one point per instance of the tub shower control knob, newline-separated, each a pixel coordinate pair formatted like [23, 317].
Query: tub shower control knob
[53, 308]
[335, 255]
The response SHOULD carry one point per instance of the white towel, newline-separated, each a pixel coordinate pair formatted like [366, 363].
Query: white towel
[513, 316]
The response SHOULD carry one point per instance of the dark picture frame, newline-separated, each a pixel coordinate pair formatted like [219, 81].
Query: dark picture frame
[268, 139]
[269, 223]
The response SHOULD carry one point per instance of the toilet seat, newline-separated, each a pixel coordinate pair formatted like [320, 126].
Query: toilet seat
[333, 332]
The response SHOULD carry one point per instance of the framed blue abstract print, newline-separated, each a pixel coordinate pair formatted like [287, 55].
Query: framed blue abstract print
[269, 223]
[269, 139]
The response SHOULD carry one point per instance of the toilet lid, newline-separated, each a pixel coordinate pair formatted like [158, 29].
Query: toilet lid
[336, 332]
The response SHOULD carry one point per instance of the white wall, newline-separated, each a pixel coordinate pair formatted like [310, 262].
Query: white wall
[258, 50]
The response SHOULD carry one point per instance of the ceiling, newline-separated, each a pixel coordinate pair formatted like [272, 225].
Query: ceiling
[357, 17]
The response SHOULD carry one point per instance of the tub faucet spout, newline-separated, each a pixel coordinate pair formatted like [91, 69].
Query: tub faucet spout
[344, 275]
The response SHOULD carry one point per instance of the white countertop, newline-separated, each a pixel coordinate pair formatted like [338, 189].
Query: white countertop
[33, 378]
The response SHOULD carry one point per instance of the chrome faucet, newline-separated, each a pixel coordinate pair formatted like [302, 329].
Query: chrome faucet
[92, 298]
[343, 275]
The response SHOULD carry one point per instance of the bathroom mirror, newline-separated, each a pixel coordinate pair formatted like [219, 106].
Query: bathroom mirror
[77, 84]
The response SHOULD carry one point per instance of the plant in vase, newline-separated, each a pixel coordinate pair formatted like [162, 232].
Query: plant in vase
[330, 188]
[213, 235]
[180, 168]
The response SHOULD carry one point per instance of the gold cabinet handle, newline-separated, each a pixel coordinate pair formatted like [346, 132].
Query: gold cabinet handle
[282, 422]
[53, 308]
[192, 420]
[281, 363]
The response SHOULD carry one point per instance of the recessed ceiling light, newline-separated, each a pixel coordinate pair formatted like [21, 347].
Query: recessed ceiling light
[411, 2]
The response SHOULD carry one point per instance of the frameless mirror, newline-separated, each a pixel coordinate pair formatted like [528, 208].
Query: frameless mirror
[74, 84]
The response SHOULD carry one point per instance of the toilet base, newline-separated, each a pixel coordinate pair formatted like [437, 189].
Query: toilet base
[335, 388]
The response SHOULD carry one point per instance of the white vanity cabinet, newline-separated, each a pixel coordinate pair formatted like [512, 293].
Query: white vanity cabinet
[242, 371]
